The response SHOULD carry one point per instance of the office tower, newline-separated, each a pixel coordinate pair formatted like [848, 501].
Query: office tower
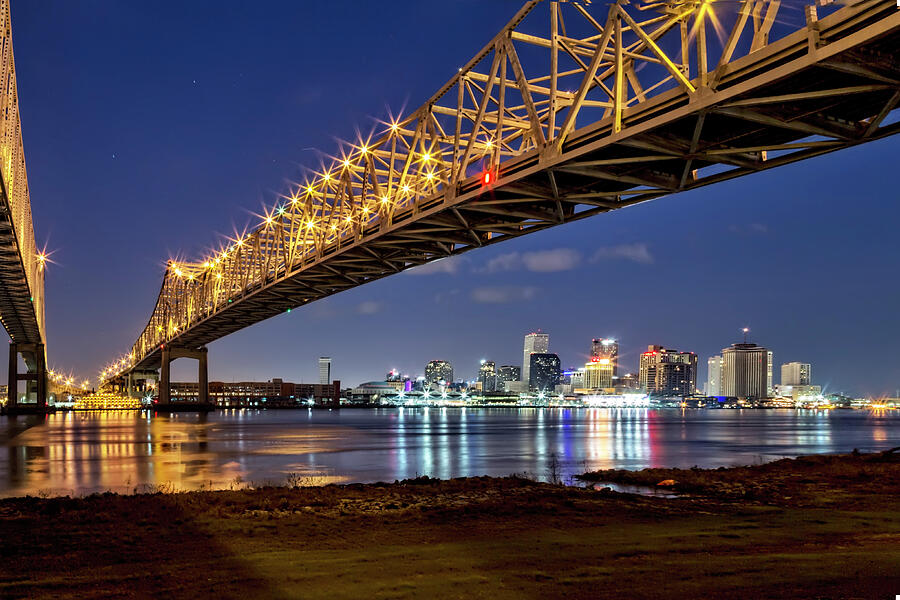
[668, 372]
[714, 376]
[508, 373]
[324, 370]
[598, 374]
[543, 371]
[606, 348]
[770, 388]
[796, 373]
[438, 371]
[534, 343]
[487, 376]
[745, 371]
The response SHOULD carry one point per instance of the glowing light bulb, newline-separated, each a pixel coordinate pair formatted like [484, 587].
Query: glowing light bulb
[346, 163]
[406, 188]
[489, 144]
[385, 200]
[394, 127]
[327, 176]
[429, 176]
[309, 189]
[426, 157]
[364, 150]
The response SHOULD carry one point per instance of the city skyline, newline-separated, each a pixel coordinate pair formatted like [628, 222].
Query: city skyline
[110, 251]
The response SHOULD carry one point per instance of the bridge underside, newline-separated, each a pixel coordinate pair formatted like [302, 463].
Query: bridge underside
[794, 99]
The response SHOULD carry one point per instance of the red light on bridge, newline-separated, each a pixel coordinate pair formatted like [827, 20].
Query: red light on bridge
[487, 178]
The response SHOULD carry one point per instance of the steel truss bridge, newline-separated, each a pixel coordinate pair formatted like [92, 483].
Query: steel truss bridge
[21, 264]
[570, 111]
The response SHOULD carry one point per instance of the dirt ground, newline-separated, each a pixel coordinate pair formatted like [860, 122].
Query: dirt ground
[815, 527]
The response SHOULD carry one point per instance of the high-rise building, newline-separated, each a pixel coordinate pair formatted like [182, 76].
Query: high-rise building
[606, 348]
[770, 384]
[796, 373]
[543, 371]
[668, 372]
[534, 343]
[487, 376]
[506, 374]
[438, 372]
[598, 374]
[714, 376]
[745, 371]
[324, 370]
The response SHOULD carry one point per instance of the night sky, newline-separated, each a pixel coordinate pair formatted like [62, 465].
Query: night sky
[151, 129]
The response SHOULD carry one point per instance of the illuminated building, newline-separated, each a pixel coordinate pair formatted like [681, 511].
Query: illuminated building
[770, 360]
[745, 371]
[438, 371]
[598, 374]
[606, 348]
[535, 343]
[487, 376]
[507, 374]
[666, 372]
[796, 373]
[324, 370]
[714, 376]
[543, 372]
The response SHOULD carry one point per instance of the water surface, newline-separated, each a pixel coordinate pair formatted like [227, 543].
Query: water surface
[79, 453]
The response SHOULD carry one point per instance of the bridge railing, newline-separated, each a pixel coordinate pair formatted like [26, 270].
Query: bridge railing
[12, 170]
[530, 93]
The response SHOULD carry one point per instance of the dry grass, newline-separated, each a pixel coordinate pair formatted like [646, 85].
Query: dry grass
[468, 538]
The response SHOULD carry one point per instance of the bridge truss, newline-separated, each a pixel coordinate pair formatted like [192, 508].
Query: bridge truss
[21, 263]
[567, 113]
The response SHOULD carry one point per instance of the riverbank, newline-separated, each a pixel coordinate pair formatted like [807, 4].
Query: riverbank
[815, 527]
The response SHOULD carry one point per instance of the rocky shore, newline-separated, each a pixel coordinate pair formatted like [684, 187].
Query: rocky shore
[812, 527]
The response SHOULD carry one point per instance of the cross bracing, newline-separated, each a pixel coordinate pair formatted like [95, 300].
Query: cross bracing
[570, 111]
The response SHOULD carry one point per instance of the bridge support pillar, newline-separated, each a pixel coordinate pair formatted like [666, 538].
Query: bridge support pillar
[168, 354]
[36, 376]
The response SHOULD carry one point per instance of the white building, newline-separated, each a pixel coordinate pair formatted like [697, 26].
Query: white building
[535, 343]
[324, 370]
[796, 373]
[745, 369]
[714, 376]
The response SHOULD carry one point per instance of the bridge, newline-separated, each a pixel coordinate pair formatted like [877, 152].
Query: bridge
[21, 263]
[569, 112]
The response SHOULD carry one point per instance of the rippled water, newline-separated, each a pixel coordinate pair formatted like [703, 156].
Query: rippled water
[78, 453]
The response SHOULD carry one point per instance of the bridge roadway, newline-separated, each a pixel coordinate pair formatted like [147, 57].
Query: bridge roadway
[21, 264]
[501, 151]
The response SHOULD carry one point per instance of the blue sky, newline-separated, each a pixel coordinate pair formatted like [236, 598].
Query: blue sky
[152, 128]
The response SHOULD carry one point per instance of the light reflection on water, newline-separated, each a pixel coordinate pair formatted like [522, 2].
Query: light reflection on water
[78, 453]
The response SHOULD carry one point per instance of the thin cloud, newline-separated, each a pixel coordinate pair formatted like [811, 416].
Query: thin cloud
[446, 266]
[550, 261]
[503, 294]
[368, 307]
[540, 261]
[638, 253]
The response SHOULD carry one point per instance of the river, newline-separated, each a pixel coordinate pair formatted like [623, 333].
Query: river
[81, 453]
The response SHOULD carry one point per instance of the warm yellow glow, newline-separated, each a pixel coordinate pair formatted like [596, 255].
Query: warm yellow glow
[429, 176]
[363, 149]
[365, 209]
[489, 144]
[426, 157]
[268, 220]
[333, 227]
[294, 199]
[394, 127]
[178, 272]
[348, 218]
[310, 225]
[346, 163]
[385, 199]
[310, 189]
[406, 188]
[327, 176]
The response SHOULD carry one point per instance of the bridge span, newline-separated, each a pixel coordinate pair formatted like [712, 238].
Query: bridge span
[21, 263]
[570, 111]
